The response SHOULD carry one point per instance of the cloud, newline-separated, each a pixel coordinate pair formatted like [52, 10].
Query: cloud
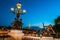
[40, 25]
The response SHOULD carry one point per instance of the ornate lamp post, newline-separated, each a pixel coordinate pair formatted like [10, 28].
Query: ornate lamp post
[18, 12]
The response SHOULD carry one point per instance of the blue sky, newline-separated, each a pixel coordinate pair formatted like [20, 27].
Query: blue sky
[38, 11]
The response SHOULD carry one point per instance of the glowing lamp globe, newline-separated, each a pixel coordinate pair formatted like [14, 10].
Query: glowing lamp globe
[24, 11]
[18, 5]
[12, 9]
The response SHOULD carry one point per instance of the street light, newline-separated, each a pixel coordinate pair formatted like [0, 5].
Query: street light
[18, 5]
[18, 12]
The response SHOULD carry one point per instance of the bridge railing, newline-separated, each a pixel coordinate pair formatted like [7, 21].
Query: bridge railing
[36, 38]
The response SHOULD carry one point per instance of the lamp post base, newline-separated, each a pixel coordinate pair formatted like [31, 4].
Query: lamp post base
[16, 34]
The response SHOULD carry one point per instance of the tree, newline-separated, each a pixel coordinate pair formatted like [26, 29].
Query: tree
[57, 24]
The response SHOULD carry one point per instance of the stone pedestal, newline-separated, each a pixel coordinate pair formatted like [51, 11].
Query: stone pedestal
[16, 34]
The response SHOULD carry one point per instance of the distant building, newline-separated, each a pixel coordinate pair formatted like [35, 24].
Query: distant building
[49, 31]
[31, 30]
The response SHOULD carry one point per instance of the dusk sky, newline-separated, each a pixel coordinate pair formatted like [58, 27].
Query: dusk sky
[37, 11]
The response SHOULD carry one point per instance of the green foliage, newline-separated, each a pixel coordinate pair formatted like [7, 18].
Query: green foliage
[57, 24]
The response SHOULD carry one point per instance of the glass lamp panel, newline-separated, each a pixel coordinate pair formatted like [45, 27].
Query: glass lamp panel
[18, 5]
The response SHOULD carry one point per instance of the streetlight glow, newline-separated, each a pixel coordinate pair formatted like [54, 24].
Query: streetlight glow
[24, 11]
[12, 9]
[18, 5]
